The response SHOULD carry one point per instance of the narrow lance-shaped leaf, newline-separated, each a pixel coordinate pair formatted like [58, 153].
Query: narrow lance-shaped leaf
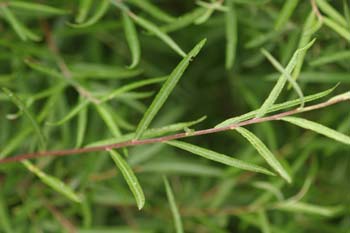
[217, 157]
[37, 7]
[13, 21]
[158, 32]
[132, 40]
[318, 128]
[151, 133]
[342, 31]
[100, 12]
[279, 67]
[276, 107]
[331, 12]
[287, 10]
[82, 125]
[5, 223]
[307, 208]
[265, 153]
[277, 89]
[84, 7]
[173, 206]
[231, 35]
[311, 25]
[129, 177]
[166, 89]
[19, 103]
[52, 182]
[153, 10]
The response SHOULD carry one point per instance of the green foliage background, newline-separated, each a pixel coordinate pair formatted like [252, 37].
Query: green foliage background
[59, 58]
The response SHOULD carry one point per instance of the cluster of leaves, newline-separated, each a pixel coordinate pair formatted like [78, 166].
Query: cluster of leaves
[88, 73]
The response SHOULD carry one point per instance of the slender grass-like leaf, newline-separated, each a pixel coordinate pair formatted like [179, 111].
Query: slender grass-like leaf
[310, 27]
[173, 206]
[5, 223]
[277, 89]
[15, 142]
[331, 12]
[153, 10]
[100, 12]
[37, 7]
[342, 31]
[192, 168]
[149, 26]
[132, 40]
[276, 107]
[287, 75]
[231, 35]
[84, 7]
[81, 126]
[130, 178]
[105, 114]
[13, 21]
[265, 153]
[102, 71]
[286, 12]
[152, 132]
[105, 98]
[217, 157]
[263, 222]
[166, 89]
[337, 56]
[184, 20]
[22, 107]
[53, 182]
[302, 207]
[347, 13]
[318, 128]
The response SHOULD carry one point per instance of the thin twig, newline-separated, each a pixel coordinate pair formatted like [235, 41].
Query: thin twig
[52, 45]
[278, 116]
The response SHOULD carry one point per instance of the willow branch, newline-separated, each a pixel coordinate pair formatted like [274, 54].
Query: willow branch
[278, 116]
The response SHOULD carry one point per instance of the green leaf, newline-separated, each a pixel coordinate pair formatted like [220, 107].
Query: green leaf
[150, 133]
[337, 56]
[52, 182]
[217, 157]
[302, 207]
[100, 12]
[318, 128]
[13, 21]
[311, 26]
[331, 12]
[275, 107]
[166, 89]
[158, 32]
[342, 31]
[130, 178]
[37, 7]
[263, 222]
[102, 71]
[153, 10]
[5, 223]
[132, 39]
[287, 75]
[184, 20]
[82, 125]
[84, 7]
[173, 206]
[265, 153]
[105, 114]
[287, 10]
[22, 107]
[231, 35]
[277, 89]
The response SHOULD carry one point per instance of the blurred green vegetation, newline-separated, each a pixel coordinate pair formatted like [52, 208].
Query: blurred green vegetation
[80, 73]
